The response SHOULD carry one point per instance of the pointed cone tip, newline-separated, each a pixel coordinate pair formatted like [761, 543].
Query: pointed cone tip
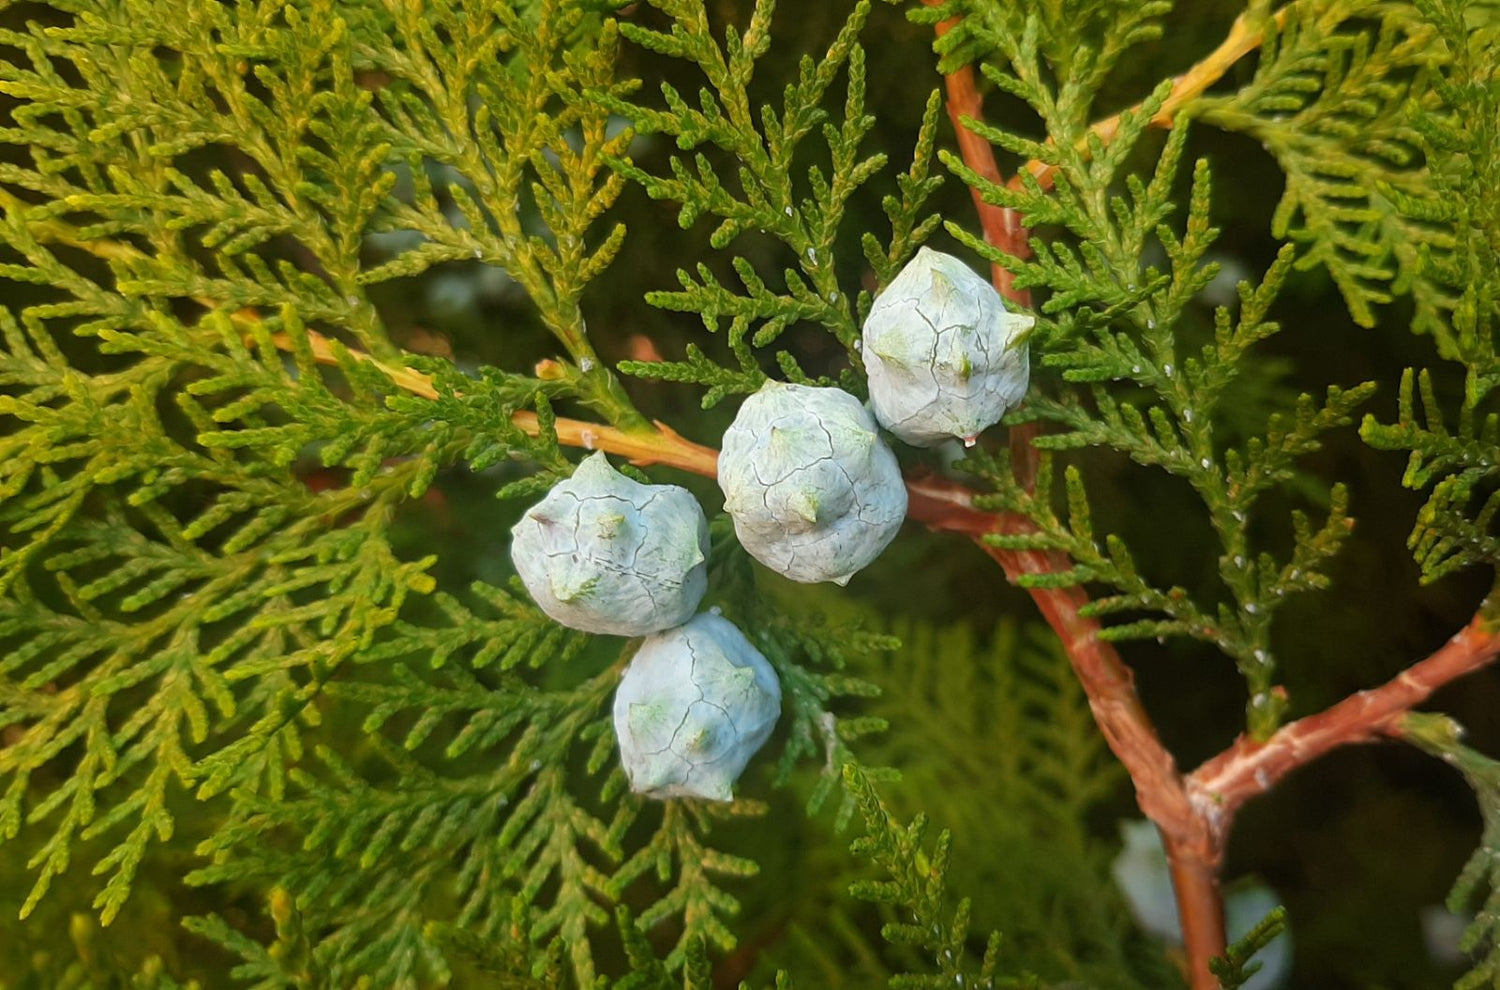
[805, 506]
[594, 463]
[568, 587]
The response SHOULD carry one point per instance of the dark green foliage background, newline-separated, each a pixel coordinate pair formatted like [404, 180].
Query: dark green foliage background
[1346, 825]
[1356, 845]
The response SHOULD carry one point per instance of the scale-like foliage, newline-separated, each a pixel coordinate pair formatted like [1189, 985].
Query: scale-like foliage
[1078, 42]
[232, 650]
[1123, 332]
[1461, 140]
[497, 823]
[286, 962]
[918, 887]
[178, 595]
[211, 442]
[768, 145]
[1478, 884]
[1235, 968]
[995, 740]
[1333, 100]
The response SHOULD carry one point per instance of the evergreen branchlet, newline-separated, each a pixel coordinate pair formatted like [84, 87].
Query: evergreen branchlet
[243, 702]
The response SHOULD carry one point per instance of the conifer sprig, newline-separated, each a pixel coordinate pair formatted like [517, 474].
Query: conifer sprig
[1456, 526]
[492, 106]
[647, 972]
[203, 595]
[917, 886]
[1078, 45]
[1479, 881]
[1333, 99]
[1238, 965]
[1122, 333]
[199, 597]
[1006, 710]
[438, 836]
[286, 962]
[677, 856]
[805, 216]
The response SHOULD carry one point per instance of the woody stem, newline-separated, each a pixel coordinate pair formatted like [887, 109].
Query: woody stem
[1194, 850]
[1194, 813]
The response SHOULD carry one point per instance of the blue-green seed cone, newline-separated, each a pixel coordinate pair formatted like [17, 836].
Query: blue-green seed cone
[814, 492]
[606, 554]
[944, 357]
[692, 708]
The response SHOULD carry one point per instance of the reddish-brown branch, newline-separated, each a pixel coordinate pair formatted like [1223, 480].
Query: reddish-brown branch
[1194, 860]
[1193, 848]
[1002, 228]
[1248, 768]
[1106, 680]
[1193, 814]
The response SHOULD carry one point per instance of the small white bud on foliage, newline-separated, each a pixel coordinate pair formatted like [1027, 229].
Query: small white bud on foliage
[945, 359]
[606, 554]
[814, 492]
[694, 705]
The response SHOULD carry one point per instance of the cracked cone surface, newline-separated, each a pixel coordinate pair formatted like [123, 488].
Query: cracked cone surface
[693, 707]
[944, 356]
[814, 492]
[606, 554]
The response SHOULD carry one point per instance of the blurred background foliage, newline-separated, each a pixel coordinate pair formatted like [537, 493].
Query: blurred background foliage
[1360, 846]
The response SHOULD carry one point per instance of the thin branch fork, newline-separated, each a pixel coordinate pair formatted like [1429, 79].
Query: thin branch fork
[1242, 39]
[1247, 768]
[1194, 812]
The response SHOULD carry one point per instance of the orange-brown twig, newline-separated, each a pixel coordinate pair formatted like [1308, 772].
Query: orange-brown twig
[1248, 768]
[1106, 680]
[1002, 228]
[662, 445]
[1194, 813]
[1241, 40]
[1194, 848]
